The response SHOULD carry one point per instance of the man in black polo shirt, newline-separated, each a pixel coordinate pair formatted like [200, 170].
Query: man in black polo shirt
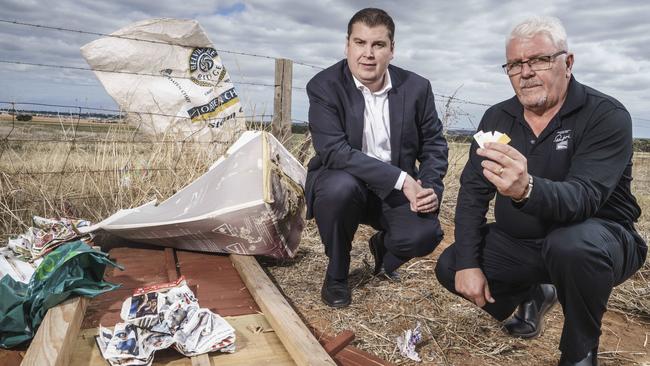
[564, 211]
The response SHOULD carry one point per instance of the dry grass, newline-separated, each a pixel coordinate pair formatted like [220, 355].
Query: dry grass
[102, 177]
[91, 172]
[456, 333]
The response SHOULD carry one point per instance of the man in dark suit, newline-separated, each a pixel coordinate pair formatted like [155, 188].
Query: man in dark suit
[370, 123]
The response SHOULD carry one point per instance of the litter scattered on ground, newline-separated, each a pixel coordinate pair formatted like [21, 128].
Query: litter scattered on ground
[16, 267]
[406, 343]
[72, 269]
[160, 317]
[45, 236]
[249, 202]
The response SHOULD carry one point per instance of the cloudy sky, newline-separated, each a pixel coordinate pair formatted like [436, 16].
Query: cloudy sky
[458, 45]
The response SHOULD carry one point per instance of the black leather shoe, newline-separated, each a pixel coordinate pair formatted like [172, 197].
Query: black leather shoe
[376, 244]
[336, 293]
[377, 249]
[528, 321]
[393, 276]
[590, 360]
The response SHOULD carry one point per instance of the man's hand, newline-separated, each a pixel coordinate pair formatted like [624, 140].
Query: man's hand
[427, 200]
[506, 168]
[472, 284]
[421, 199]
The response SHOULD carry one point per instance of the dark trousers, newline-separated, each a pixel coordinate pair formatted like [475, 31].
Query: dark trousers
[584, 261]
[342, 202]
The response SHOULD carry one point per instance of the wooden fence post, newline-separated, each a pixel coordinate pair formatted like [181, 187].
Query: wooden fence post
[281, 124]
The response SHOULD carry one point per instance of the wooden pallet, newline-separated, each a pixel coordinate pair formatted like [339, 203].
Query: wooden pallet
[233, 286]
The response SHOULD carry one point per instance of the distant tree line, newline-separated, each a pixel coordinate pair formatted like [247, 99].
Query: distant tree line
[642, 145]
[11, 111]
[458, 136]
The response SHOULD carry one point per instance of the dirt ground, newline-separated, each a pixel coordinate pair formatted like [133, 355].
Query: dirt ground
[455, 332]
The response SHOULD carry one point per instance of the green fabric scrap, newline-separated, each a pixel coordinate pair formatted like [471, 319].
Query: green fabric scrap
[73, 269]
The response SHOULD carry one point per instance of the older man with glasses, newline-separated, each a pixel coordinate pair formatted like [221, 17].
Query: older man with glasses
[564, 212]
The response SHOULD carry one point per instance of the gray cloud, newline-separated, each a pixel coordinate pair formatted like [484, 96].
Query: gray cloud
[458, 45]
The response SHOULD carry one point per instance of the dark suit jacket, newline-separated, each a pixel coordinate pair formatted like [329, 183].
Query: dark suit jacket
[336, 110]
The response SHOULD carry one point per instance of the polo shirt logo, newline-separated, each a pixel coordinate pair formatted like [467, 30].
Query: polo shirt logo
[562, 139]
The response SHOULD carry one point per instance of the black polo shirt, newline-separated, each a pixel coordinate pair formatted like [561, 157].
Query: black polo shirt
[581, 165]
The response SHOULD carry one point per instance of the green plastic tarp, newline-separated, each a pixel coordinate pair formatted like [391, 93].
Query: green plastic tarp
[73, 269]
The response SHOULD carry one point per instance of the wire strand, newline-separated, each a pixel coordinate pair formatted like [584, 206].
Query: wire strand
[63, 29]
[117, 71]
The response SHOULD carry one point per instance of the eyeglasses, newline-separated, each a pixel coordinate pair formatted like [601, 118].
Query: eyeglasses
[538, 63]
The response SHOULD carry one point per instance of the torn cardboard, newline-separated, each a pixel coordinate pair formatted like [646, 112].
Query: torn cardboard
[249, 202]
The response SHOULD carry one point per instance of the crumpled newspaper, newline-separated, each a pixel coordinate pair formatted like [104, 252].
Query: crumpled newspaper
[45, 236]
[162, 316]
[406, 343]
[16, 267]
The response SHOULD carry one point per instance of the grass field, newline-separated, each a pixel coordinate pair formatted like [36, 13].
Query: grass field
[90, 170]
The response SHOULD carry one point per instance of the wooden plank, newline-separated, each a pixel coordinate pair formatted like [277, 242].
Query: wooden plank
[336, 344]
[56, 336]
[170, 265]
[201, 360]
[349, 355]
[219, 286]
[11, 357]
[294, 334]
[252, 348]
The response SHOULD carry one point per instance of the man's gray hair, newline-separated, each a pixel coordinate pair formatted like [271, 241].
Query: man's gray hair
[550, 26]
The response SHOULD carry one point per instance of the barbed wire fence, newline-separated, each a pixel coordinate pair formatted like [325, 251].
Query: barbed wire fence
[79, 161]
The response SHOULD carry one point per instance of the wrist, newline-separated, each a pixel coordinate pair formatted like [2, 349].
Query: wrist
[527, 190]
[408, 181]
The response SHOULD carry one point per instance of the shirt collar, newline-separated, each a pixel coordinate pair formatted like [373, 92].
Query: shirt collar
[576, 97]
[388, 85]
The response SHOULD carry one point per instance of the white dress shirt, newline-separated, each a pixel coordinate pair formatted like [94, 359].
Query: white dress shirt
[376, 124]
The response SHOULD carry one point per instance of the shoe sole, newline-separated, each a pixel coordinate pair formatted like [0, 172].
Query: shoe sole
[345, 304]
[543, 313]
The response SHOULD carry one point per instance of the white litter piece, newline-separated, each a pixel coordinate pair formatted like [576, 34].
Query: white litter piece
[406, 343]
[17, 268]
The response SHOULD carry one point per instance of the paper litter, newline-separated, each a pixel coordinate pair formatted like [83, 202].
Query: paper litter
[406, 343]
[45, 236]
[163, 316]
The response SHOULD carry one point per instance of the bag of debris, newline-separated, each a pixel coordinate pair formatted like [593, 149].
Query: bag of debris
[72, 269]
[169, 79]
[251, 202]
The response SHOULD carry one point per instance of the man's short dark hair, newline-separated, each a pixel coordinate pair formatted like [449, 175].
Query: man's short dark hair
[373, 17]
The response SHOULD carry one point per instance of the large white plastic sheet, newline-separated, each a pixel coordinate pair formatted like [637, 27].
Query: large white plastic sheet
[168, 77]
[250, 202]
